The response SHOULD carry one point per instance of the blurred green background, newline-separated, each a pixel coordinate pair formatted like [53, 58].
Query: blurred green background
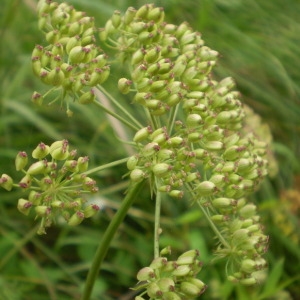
[259, 43]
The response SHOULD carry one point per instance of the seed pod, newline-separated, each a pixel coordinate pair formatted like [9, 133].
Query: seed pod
[145, 273]
[205, 188]
[21, 160]
[76, 218]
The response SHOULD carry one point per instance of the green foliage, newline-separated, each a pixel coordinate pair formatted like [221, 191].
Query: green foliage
[259, 44]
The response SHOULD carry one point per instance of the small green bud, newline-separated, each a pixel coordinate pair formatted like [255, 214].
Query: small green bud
[21, 160]
[38, 167]
[59, 150]
[197, 282]
[83, 163]
[40, 151]
[190, 289]
[91, 210]
[150, 149]
[219, 219]
[166, 284]
[248, 281]
[42, 210]
[221, 203]
[124, 85]
[152, 55]
[247, 211]
[154, 291]
[176, 194]
[171, 296]
[87, 97]
[6, 182]
[181, 271]
[137, 175]
[56, 76]
[71, 165]
[158, 263]
[77, 55]
[76, 218]
[206, 188]
[161, 169]
[35, 197]
[37, 98]
[116, 18]
[24, 206]
[53, 36]
[142, 134]
[145, 273]
[72, 43]
[132, 162]
[129, 15]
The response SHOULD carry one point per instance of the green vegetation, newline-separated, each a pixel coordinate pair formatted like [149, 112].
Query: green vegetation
[260, 48]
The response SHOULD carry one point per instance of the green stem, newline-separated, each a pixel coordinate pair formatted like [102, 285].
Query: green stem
[117, 104]
[115, 115]
[157, 224]
[106, 166]
[104, 244]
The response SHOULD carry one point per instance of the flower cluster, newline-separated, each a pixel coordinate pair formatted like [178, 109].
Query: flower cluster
[166, 279]
[57, 185]
[193, 141]
[71, 62]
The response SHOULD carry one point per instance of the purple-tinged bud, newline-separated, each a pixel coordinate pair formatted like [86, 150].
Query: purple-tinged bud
[71, 166]
[139, 72]
[24, 206]
[21, 160]
[76, 218]
[37, 98]
[158, 263]
[91, 210]
[40, 151]
[150, 149]
[6, 182]
[145, 273]
[77, 54]
[152, 55]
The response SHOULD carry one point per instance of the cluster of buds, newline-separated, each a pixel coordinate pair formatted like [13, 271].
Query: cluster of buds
[71, 62]
[171, 280]
[195, 140]
[56, 185]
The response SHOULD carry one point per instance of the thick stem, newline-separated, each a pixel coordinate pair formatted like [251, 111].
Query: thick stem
[105, 242]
